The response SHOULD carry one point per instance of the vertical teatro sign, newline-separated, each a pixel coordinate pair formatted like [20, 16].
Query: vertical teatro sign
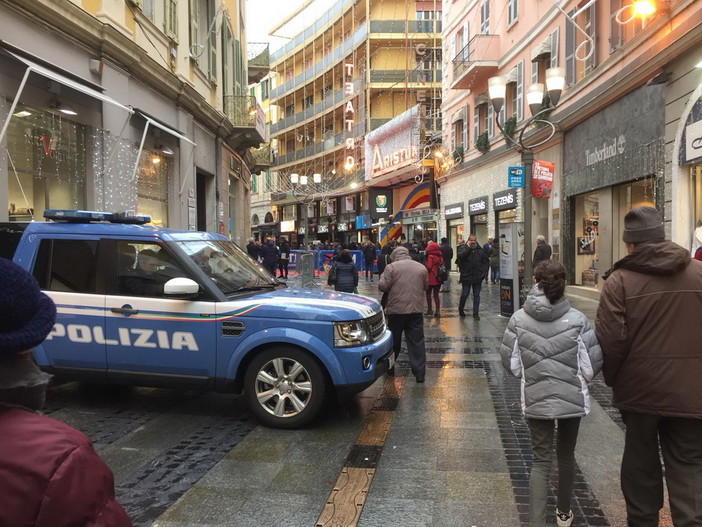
[349, 119]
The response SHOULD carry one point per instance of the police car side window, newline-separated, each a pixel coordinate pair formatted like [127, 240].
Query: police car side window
[144, 268]
[67, 265]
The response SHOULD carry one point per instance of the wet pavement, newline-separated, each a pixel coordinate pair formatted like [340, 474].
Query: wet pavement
[453, 451]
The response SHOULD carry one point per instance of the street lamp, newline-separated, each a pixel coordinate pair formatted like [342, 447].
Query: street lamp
[497, 89]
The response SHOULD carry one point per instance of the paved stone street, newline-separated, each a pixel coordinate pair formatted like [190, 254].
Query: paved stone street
[453, 451]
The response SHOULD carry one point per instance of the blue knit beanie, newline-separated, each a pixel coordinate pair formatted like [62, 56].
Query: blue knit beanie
[26, 314]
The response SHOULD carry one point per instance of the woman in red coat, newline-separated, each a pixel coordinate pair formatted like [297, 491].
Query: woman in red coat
[432, 261]
[50, 476]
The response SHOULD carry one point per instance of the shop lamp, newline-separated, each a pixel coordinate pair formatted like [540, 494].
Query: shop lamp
[303, 180]
[294, 178]
[497, 89]
[316, 177]
[638, 8]
[535, 96]
[555, 83]
[156, 159]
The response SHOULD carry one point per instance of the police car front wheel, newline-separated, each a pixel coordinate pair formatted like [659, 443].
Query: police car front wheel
[285, 387]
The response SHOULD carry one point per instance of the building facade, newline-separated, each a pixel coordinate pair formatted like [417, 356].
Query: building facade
[622, 126]
[139, 105]
[352, 68]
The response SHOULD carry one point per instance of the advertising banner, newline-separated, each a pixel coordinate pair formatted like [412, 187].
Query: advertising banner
[542, 178]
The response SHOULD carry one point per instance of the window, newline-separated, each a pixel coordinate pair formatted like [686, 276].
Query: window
[67, 265]
[483, 118]
[202, 40]
[485, 17]
[580, 56]
[254, 188]
[512, 11]
[515, 91]
[289, 110]
[148, 7]
[622, 33]
[457, 134]
[268, 182]
[265, 89]
[308, 101]
[170, 25]
[144, 268]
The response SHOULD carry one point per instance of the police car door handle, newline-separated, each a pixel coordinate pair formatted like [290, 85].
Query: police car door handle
[125, 310]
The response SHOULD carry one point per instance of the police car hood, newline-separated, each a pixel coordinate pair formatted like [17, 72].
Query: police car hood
[311, 304]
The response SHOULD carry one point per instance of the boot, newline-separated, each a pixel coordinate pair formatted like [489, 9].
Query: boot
[429, 313]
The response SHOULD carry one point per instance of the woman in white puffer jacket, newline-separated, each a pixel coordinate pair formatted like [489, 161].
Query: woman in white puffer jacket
[553, 349]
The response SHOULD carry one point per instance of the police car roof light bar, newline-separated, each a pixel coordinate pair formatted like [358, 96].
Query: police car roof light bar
[87, 216]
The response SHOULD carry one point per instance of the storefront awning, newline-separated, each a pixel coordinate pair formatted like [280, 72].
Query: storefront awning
[153, 122]
[48, 73]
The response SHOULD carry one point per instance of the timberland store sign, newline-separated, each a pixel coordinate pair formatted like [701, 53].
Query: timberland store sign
[611, 148]
[395, 145]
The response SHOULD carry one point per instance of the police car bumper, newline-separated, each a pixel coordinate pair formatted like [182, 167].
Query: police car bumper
[376, 359]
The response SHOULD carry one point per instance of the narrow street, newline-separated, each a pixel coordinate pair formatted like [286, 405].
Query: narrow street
[453, 451]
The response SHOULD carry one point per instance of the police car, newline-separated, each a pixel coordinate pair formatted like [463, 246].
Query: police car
[144, 305]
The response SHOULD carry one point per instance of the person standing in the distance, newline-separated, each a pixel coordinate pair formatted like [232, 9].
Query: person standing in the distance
[494, 262]
[432, 261]
[345, 275]
[542, 251]
[486, 249]
[369, 259]
[283, 258]
[50, 476]
[405, 281]
[269, 256]
[253, 250]
[384, 256]
[447, 254]
[648, 323]
[552, 348]
[472, 265]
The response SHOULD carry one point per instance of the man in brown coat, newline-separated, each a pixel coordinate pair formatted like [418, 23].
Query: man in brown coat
[405, 282]
[648, 324]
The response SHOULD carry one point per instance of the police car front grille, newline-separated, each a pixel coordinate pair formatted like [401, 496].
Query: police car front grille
[232, 328]
[377, 325]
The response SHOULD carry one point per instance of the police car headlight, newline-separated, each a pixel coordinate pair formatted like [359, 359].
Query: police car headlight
[348, 334]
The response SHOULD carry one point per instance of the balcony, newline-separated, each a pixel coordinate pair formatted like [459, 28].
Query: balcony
[248, 119]
[262, 158]
[259, 59]
[399, 76]
[476, 62]
[412, 27]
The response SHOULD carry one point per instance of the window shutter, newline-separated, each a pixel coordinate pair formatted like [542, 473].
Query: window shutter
[195, 49]
[554, 48]
[520, 91]
[615, 35]
[466, 135]
[490, 120]
[570, 50]
[534, 72]
[592, 61]
[170, 24]
[476, 122]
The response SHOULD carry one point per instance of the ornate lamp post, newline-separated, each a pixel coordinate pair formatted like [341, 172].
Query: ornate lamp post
[497, 88]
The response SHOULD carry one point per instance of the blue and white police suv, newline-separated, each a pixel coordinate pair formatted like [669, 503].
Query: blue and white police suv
[143, 305]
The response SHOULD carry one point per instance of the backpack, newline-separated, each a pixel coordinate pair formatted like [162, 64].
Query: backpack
[441, 273]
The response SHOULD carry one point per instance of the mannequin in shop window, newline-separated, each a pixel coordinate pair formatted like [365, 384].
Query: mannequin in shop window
[698, 239]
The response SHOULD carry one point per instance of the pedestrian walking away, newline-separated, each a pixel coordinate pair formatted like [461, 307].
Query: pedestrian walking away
[553, 349]
[369, 259]
[283, 258]
[269, 256]
[648, 324]
[472, 264]
[345, 277]
[542, 251]
[494, 262]
[447, 254]
[486, 248]
[433, 260]
[50, 476]
[405, 282]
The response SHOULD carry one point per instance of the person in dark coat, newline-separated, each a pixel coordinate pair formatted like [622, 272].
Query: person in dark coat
[346, 279]
[50, 476]
[369, 259]
[447, 254]
[648, 324]
[472, 264]
[542, 251]
[253, 250]
[486, 249]
[283, 258]
[384, 256]
[494, 261]
[269, 255]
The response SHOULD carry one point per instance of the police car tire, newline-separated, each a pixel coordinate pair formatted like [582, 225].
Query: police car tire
[312, 374]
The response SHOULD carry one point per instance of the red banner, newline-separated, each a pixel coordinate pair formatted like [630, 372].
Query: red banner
[542, 178]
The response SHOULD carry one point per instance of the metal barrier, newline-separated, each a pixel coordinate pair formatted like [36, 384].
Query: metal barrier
[305, 267]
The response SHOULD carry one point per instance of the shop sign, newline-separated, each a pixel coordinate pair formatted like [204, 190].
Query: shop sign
[542, 178]
[287, 226]
[609, 148]
[322, 229]
[693, 141]
[394, 145]
[363, 222]
[507, 199]
[343, 227]
[380, 202]
[301, 230]
[515, 177]
[478, 206]
[419, 219]
[453, 211]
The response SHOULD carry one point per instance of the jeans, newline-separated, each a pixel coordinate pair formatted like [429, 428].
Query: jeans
[495, 274]
[433, 291]
[465, 292]
[642, 475]
[413, 326]
[542, 446]
[369, 269]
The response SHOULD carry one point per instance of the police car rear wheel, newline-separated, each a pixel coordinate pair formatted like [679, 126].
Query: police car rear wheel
[285, 388]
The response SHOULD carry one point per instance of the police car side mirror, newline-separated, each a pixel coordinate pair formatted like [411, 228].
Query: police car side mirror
[183, 288]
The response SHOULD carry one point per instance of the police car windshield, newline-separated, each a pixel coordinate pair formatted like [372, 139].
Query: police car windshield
[226, 265]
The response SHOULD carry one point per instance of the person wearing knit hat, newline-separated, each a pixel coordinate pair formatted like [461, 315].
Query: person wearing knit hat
[648, 327]
[49, 473]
